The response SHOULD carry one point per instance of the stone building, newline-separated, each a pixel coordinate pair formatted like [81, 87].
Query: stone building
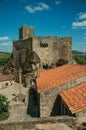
[6, 81]
[59, 91]
[49, 48]
[74, 99]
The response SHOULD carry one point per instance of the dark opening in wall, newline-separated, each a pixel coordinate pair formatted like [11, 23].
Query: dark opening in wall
[43, 44]
[60, 108]
[33, 103]
[56, 111]
[45, 66]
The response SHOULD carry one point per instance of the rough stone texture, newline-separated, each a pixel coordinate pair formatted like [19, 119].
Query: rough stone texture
[49, 48]
[37, 123]
[26, 32]
[47, 99]
[53, 126]
[20, 51]
[5, 84]
[12, 91]
[81, 113]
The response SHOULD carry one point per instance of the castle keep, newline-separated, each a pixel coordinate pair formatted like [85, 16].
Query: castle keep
[57, 91]
[49, 48]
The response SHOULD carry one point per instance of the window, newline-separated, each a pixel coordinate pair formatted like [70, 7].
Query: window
[43, 42]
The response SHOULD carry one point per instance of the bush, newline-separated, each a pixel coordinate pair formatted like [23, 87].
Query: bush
[80, 59]
[4, 107]
[4, 116]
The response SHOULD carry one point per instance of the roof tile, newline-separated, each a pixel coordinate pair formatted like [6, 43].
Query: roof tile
[75, 98]
[57, 76]
[6, 77]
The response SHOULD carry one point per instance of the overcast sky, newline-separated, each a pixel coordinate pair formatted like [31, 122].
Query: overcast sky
[49, 17]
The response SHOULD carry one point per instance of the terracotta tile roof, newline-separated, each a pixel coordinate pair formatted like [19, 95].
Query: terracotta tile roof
[75, 98]
[5, 77]
[54, 77]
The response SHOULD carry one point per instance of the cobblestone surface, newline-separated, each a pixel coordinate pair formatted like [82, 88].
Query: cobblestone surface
[11, 92]
[19, 113]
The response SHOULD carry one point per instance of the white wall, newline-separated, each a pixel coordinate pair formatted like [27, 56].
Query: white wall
[5, 84]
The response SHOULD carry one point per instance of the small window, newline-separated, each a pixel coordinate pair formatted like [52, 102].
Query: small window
[43, 44]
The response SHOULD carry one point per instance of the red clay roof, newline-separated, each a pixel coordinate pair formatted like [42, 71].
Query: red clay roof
[54, 77]
[5, 77]
[75, 98]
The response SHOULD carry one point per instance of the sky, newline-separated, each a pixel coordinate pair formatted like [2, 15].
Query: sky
[49, 18]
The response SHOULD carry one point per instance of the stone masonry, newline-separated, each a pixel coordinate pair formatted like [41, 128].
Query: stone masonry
[47, 98]
[49, 48]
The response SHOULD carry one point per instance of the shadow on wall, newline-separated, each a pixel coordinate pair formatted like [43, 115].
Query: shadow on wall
[60, 108]
[33, 103]
[56, 111]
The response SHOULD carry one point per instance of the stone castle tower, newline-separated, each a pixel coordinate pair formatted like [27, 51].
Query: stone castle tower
[49, 48]
[26, 32]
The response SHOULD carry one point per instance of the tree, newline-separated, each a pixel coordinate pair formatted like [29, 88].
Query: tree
[4, 107]
[80, 59]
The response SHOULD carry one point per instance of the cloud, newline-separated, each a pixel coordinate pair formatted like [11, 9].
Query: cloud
[84, 33]
[82, 15]
[9, 43]
[40, 7]
[4, 38]
[6, 47]
[5, 44]
[81, 22]
[81, 25]
[84, 37]
[58, 2]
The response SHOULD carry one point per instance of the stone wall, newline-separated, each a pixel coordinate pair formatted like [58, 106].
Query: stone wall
[81, 113]
[20, 51]
[65, 51]
[47, 99]
[5, 84]
[56, 49]
[26, 32]
[49, 48]
[45, 53]
[30, 124]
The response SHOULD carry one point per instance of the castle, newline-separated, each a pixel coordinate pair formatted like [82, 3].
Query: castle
[49, 48]
[59, 91]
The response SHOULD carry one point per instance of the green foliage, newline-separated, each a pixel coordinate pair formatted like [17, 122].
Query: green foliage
[80, 59]
[4, 58]
[4, 107]
[4, 116]
[3, 61]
